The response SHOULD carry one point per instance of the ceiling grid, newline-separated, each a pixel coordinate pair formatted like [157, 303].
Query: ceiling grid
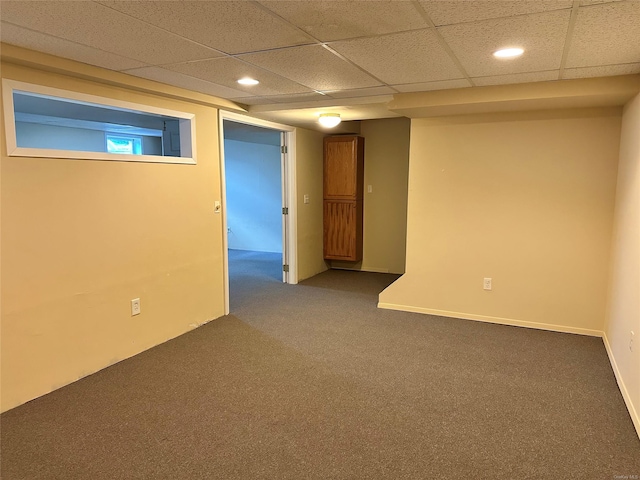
[342, 53]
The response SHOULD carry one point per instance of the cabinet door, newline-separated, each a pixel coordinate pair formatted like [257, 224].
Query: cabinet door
[341, 168]
[342, 231]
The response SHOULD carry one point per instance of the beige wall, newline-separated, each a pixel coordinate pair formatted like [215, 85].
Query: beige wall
[524, 198]
[81, 238]
[624, 290]
[386, 169]
[309, 216]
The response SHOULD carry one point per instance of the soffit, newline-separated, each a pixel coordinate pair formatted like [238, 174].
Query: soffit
[579, 93]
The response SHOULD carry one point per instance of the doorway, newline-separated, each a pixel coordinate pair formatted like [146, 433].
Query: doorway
[258, 192]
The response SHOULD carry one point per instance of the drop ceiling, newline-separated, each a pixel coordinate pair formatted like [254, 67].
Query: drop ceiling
[347, 56]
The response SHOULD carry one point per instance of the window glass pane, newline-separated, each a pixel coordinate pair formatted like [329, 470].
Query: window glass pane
[62, 124]
[119, 144]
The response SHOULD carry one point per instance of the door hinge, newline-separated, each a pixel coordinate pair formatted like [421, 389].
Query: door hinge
[285, 210]
[284, 149]
[285, 268]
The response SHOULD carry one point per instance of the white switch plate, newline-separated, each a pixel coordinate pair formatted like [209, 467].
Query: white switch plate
[135, 307]
[370, 188]
[486, 284]
[216, 206]
[306, 198]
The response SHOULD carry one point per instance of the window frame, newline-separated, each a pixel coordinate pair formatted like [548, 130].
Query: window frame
[187, 123]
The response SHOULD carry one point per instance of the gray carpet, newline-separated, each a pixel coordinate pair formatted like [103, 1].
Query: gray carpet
[312, 381]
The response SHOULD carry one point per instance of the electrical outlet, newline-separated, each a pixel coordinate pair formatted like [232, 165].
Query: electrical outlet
[486, 284]
[135, 307]
[306, 198]
[631, 337]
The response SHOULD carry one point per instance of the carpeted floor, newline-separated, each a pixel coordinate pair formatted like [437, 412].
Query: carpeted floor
[312, 381]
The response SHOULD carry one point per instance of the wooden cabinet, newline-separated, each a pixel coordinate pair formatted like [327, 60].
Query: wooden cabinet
[342, 198]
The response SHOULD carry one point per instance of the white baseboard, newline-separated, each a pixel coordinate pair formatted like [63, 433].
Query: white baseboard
[488, 319]
[623, 389]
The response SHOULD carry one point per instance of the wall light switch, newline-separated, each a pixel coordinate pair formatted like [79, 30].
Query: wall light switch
[216, 206]
[306, 198]
[370, 188]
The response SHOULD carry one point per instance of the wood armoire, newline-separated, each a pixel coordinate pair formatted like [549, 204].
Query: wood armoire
[342, 197]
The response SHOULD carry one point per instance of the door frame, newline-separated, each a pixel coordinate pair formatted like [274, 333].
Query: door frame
[289, 198]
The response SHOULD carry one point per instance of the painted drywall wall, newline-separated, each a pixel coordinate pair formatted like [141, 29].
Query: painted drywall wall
[308, 147]
[623, 314]
[386, 171]
[525, 199]
[171, 138]
[254, 195]
[151, 145]
[81, 238]
[37, 135]
[56, 137]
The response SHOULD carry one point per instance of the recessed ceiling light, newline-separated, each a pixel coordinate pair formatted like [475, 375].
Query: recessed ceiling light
[508, 53]
[329, 120]
[248, 81]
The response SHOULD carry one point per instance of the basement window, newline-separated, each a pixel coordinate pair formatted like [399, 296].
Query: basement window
[124, 145]
[48, 122]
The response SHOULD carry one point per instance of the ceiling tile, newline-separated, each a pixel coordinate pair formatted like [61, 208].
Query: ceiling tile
[313, 66]
[229, 26]
[227, 71]
[407, 57]
[516, 78]
[170, 77]
[97, 26]
[429, 86]
[361, 92]
[604, 71]
[448, 12]
[541, 35]
[337, 20]
[605, 35]
[40, 42]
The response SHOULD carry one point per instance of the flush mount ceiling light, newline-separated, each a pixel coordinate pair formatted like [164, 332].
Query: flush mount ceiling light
[248, 81]
[508, 53]
[329, 120]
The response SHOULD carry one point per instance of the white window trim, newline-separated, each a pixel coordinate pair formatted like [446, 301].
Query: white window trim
[187, 128]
